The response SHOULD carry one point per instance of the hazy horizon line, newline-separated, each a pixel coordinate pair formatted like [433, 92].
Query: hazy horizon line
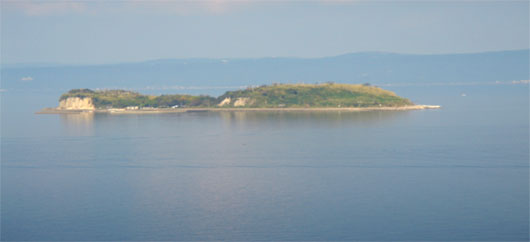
[58, 64]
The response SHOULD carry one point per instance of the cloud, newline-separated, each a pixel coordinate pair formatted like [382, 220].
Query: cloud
[188, 7]
[338, 1]
[26, 78]
[178, 7]
[39, 8]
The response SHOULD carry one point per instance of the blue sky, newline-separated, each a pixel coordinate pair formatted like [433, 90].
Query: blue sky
[92, 32]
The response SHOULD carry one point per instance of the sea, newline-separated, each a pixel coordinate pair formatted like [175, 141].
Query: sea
[459, 173]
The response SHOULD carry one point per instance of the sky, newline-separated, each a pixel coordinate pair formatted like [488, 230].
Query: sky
[99, 32]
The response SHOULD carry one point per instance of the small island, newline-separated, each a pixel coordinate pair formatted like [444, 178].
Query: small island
[276, 97]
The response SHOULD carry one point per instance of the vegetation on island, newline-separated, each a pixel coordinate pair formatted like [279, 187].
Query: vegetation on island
[267, 96]
[123, 99]
[316, 95]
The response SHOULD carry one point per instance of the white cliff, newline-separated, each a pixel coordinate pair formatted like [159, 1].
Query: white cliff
[242, 101]
[226, 101]
[76, 103]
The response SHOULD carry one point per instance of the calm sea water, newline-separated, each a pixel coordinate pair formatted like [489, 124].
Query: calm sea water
[458, 173]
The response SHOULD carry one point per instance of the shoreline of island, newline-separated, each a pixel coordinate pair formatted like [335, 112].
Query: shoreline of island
[323, 97]
[220, 109]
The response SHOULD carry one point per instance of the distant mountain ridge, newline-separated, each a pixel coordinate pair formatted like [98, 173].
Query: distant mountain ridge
[364, 67]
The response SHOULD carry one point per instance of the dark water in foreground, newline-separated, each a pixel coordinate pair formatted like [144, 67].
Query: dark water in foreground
[458, 173]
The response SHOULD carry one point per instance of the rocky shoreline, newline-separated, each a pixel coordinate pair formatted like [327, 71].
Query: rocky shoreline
[183, 110]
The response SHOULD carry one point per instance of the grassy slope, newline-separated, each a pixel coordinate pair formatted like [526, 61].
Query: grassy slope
[317, 95]
[284, 95]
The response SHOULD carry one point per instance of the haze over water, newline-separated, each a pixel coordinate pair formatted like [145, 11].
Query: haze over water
[457, 173]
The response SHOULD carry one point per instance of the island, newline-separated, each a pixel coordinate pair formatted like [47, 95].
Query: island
[276, 97]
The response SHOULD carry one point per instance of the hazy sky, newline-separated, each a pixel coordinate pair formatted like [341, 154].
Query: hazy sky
[120, 31]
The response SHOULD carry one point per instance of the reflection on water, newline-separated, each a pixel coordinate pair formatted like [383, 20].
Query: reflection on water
[80, 124]
[331, 118]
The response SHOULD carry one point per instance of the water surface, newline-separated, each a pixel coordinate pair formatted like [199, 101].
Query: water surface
[458, 173]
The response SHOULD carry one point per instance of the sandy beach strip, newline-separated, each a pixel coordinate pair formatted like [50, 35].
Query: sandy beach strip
[183, 110]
